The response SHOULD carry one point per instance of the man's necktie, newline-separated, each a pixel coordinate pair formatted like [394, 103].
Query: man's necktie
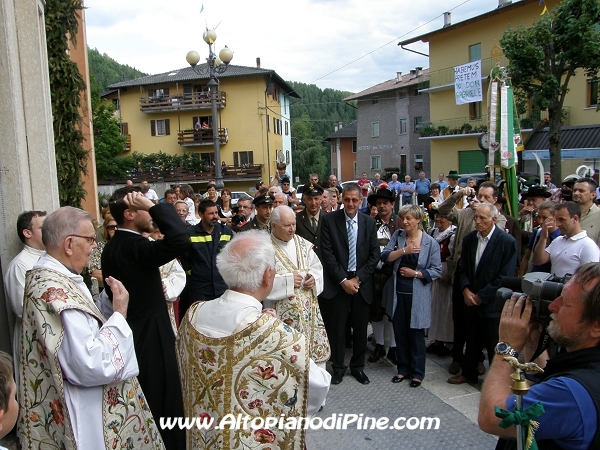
[314, 224]
[352, 246]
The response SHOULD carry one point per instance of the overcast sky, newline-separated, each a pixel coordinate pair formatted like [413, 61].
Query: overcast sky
[341, 44]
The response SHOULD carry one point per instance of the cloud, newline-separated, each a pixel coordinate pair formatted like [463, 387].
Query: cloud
[302, 40]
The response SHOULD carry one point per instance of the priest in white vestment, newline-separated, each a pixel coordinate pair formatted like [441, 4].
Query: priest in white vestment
[298, 282]
[91, 399]
[250, 362]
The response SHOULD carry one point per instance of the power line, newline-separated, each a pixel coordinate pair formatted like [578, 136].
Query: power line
[385, 45]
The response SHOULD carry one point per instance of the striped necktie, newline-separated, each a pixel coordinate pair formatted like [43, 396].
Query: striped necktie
[351, 246]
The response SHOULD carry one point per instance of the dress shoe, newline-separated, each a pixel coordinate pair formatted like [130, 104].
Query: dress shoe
[396, 379]
[454, 368]
[460, 379]
[377, 354]
[391, 355]
[415, 383]
[480, 368]
[337, 377]
[361, 377]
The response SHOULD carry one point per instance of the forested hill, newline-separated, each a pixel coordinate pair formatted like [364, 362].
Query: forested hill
[324, 107]
[105, 71]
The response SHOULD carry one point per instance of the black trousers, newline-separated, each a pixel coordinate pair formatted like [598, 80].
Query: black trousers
[458, 317]
[337, 312]
[482, 332]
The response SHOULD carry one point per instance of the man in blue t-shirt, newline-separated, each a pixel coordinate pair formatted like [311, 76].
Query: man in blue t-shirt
[422, 186]
[568, 389]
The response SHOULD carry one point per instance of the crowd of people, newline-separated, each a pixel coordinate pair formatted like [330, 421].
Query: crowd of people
[190, 306]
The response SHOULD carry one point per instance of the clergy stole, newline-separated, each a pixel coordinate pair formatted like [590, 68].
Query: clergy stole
[258, 372]
[44, 420]
[302, 311]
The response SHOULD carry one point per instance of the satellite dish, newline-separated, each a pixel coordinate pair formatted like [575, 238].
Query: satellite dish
[585, 171]
[280, 156]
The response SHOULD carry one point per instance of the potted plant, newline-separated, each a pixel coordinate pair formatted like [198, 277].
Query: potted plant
[442, 130]
[466, 128]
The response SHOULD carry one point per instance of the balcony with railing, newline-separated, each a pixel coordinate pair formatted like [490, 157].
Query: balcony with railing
[245, 172]
[443, 79]
[192, 138]
[461, 126]
[183, 102]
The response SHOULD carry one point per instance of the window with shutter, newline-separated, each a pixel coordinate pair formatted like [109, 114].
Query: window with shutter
[153, 127]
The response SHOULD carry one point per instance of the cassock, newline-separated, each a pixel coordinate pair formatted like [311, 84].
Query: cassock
[299, 308]
[95, 380]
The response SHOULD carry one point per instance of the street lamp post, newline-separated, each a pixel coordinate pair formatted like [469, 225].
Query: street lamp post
[215, 65]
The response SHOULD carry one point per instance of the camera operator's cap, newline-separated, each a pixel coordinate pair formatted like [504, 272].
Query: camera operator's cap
[312, 189]
[263, 199]
[382, 192]
[453, 174]
[536, 191]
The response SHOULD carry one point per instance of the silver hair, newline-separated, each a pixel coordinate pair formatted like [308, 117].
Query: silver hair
[61, 223]
[275, 189]
[280, 194]
[352, 187]
[242, 263]
[280, 212]
[181, 201]
[493, 210]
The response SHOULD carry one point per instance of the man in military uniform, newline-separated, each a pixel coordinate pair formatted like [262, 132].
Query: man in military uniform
[308, 221]
[386, 223]
[263, 204]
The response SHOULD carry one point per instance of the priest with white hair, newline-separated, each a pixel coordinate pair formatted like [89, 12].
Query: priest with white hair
[298, 282]
[238, 360]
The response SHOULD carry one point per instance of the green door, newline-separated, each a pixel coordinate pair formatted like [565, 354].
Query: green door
[471, 161]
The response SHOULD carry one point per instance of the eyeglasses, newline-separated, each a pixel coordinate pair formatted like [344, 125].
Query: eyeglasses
[91, 240]
[111, 227]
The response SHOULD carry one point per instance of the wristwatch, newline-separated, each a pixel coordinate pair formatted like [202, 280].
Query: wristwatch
[502, 348]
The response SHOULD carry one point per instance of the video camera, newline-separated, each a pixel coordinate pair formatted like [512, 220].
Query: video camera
[542, 287]
[236, 217]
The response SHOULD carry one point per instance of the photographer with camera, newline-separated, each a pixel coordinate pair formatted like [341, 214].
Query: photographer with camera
[568, 389]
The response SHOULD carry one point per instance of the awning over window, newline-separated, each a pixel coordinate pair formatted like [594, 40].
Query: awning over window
[581, 142]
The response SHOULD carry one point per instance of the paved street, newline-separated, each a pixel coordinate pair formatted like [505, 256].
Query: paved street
[455, 406]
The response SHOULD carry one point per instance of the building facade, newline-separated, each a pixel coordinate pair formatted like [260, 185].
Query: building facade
[343, 147]
[390, 116]
[171, 113]
[455, 129]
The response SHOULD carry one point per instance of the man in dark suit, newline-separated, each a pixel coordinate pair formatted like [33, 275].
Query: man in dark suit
[349, 253]
[308, 221]
[136, 261]
[488, 254]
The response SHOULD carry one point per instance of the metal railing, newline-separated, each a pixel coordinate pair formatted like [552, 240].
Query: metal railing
[188, 101]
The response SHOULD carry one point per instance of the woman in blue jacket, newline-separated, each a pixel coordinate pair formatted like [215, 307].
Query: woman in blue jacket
[407, 295]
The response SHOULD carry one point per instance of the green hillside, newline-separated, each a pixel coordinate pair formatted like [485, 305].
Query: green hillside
[105, 71]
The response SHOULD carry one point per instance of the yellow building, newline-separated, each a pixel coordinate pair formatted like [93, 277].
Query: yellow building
[171, 113]
[478, 39]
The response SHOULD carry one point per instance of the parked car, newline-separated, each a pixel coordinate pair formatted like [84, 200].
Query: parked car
[236, 195]
[479, 178]
[299, 192]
